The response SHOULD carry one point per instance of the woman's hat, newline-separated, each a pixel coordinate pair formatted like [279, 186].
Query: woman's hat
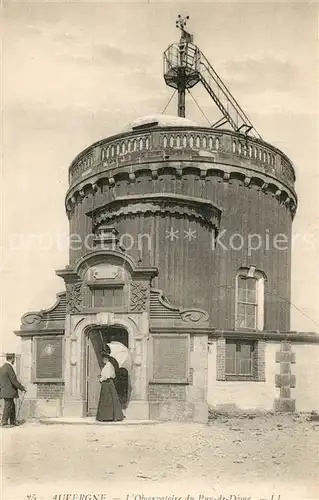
[106, 351]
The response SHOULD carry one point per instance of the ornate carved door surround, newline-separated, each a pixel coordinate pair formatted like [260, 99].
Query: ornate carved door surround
[125, 289]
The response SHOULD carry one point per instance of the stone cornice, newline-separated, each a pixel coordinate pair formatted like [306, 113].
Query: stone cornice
[205, 168]
[180, 329]
[68, 275]
[306, 337]
[111, 283]
[137, 272]
[141, 272]
[157, 203]
[163, 197]
[40, 333]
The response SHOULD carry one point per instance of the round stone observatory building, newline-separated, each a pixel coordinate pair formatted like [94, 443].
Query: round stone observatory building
[180, 251]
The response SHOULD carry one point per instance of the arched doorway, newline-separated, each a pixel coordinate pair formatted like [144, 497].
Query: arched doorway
[97, 337]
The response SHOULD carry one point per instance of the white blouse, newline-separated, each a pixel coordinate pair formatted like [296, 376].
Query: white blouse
[107, 371]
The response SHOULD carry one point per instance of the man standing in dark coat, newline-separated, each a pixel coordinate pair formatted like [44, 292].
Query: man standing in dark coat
[9, 386]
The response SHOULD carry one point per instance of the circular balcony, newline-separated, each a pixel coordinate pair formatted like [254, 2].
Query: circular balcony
[157, 144]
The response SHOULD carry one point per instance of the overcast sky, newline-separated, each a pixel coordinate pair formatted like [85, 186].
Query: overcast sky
[75, 72]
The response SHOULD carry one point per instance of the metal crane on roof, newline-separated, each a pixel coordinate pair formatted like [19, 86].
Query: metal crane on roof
[185, 66]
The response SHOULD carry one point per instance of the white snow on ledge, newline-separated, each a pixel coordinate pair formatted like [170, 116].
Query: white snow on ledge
[160, 121]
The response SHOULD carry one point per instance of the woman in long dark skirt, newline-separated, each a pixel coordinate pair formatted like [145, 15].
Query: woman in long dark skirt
[109, 407]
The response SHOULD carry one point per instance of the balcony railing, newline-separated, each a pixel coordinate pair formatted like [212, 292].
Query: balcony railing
[183, 143]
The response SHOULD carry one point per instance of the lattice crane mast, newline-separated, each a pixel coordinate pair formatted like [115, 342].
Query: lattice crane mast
[185, 66]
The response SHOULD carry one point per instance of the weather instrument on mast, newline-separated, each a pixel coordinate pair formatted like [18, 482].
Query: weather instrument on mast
[185, 65]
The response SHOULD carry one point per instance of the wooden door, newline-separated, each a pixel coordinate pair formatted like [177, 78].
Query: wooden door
[93, 365]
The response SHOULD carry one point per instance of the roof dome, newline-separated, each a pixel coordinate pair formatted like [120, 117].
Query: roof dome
[159, 121]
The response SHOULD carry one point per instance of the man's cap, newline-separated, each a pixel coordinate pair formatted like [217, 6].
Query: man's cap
[10, 356]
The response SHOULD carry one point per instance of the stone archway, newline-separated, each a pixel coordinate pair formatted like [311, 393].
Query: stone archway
[137, 327]
[97, 339]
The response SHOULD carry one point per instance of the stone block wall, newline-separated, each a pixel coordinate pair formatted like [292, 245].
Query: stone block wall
[41, 408]
[256, 394]
[41, 399]
[220, 353]
[166, 392]
[287, 378]
[306, 372]
[184, 401]
[50, 391]
[259, 367]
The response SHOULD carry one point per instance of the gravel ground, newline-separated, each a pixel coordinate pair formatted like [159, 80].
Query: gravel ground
[248, 458]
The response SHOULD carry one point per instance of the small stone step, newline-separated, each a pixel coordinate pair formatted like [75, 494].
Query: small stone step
[92, 421]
